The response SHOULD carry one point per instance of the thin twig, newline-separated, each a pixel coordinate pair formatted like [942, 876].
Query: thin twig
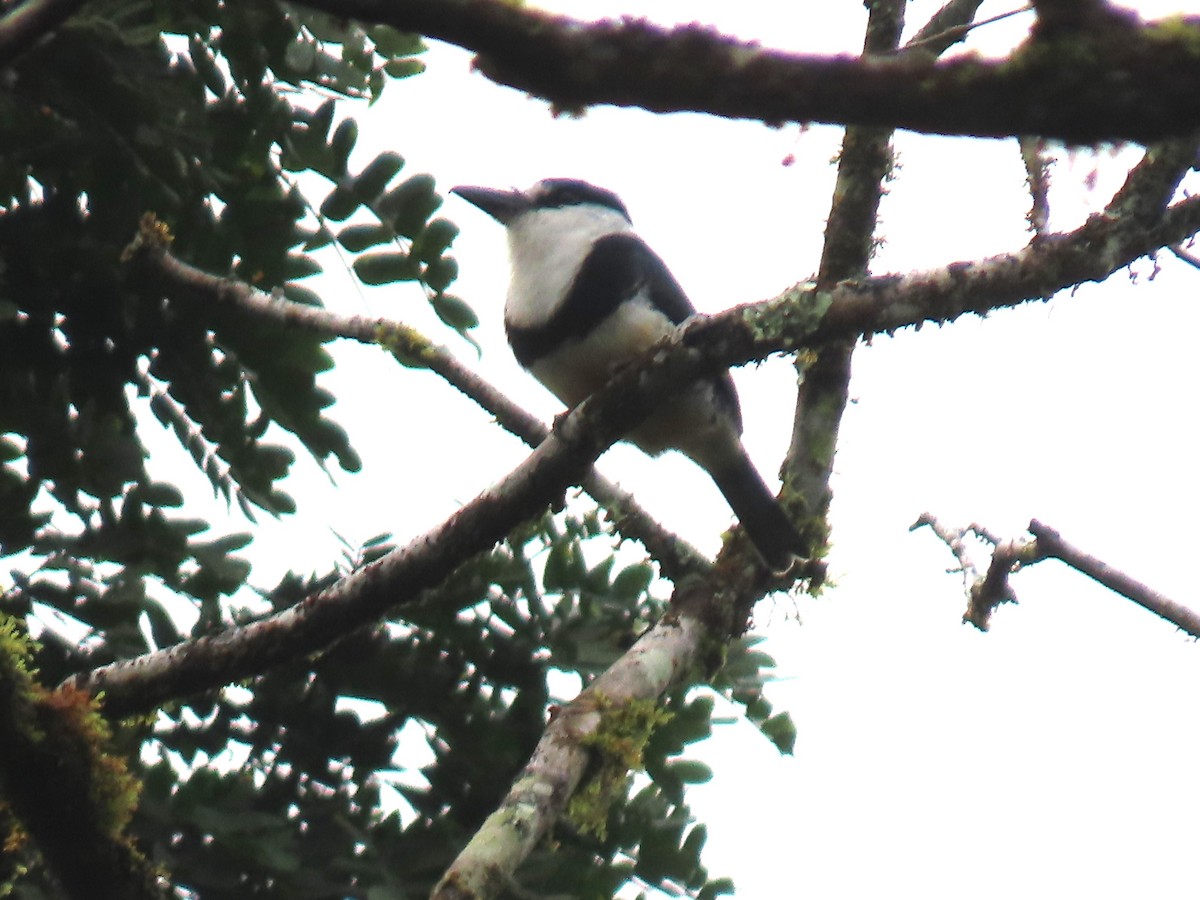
[954, 539]
[939, 34]
[987, 592]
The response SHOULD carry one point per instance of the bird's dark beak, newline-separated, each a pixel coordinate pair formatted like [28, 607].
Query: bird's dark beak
[503, 206]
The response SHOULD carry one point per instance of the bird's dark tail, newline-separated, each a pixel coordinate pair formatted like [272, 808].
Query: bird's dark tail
[767, 525]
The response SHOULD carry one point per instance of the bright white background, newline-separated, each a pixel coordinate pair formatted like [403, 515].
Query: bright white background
[1055, 756]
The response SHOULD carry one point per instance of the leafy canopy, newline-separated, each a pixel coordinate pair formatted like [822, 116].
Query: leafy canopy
[222, 120]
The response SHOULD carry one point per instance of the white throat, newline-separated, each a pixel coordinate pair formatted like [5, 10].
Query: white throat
[546, 248]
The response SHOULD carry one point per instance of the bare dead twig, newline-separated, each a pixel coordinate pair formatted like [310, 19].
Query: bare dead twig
[952, 23]
[1050, 545]
[986, 593]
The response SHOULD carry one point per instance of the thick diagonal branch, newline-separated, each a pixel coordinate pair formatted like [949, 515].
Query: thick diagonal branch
[798, 319]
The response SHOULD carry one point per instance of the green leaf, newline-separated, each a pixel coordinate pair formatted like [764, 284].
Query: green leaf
[322, 118]
[275, 459]
[434, 240]
[327, 28]
[357, 238]
[299, 294]
[720, 887]
[409, 205]
[375, 177]
[691, 771]
[385, 267]
[781, 731]
[301, 56]
[279, 502]
[375, 82]
[340, 203]
[390, 42]
[557, 575]
[633, 581]
[344, 139]
[159, 494]
[298, 266]
[404, 68]
[206, 66]
[454, 311]
[440, 273]
[318, 238]
[228, 544]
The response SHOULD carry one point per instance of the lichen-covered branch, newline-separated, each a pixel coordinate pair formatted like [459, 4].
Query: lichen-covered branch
[863, 164]
[1066, 16]
[67, 791]
[661, 658]
[176, 278]
[987, 592]
[1151, 184]
[1119, 78]
[800, 318]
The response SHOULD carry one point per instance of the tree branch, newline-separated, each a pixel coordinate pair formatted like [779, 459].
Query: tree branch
[986, 593]
[800, 318]
[1050, 545]
[1125, 80]
[1063, 16]
[863, 164]
[950, 25]
[676, 556]
[661, 658]
[1189, 258]
[62, 782]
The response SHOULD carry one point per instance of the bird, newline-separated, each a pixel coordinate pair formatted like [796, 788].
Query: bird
[588, 296]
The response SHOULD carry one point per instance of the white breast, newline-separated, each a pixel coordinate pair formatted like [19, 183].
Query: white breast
[580, 367]
[547, 247]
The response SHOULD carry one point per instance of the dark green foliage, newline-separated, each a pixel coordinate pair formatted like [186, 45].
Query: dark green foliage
[275, 788]
[467, 673]
[99, 124]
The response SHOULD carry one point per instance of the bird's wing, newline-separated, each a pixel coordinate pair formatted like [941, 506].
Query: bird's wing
[624, 266]
[619, 267]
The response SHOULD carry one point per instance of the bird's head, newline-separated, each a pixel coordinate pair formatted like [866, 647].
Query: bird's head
[568, 195]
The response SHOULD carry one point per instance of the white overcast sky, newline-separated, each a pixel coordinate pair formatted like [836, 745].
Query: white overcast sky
[1051, 757]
